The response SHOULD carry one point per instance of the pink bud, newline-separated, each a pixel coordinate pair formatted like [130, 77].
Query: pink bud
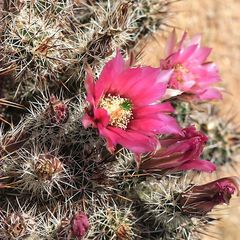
[57, 111]
[199, 200]
[179, 153]
[80, 225]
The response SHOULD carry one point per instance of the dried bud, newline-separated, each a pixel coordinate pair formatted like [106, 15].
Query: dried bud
[48, 166]
[122, 232]
[57, 111]
[18, 225]
[199, 200]
[80, 225]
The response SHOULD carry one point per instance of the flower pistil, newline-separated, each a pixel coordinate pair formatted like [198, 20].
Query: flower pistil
[119, 110]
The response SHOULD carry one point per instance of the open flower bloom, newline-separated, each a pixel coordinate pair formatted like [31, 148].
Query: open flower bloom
[124, 108]
[192, 73]
[179, 152]
[199, 200]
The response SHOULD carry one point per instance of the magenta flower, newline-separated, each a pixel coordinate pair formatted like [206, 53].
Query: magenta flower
[80, 225]
[179, 152]
[192, 73]
[124, 108]
[199, 200]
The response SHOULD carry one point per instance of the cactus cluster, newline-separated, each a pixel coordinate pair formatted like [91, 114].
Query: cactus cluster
[49, 42]
[61, 179]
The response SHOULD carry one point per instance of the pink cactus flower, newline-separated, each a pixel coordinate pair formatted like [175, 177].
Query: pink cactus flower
[124, 107]
[179, 152]
[80, 225]
[192, 73]
[199, 200]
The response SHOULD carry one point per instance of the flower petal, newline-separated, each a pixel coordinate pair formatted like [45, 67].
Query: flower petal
[135, 141]
[200, 165]
[210, 94]
[150, 87]
[152, 110]
[185, 54]
[101, 117]
[201, 54]
[171, 43]
[141, 79]
[108, 75]
[87, 121]
[163, 124]
[90, 86]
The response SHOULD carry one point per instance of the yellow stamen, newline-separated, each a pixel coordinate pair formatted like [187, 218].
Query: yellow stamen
[179, 69]
[119, 110]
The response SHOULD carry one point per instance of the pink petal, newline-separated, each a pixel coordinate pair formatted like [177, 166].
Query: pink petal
[134, 77]
[147, 125]
[89, 85]
[164, 124]
[108, 75]
[149, 96]
[134, 141]
[210, 94]
[152, 110]
[206, 74]
[201, 54]
[234, 182]
[101, 117]
[141, 79]
[87, 121]
[170, 125]
[171, 43]
[151, 88]
[188, 82]
[200, 165]
[186, 53]
[110, 137]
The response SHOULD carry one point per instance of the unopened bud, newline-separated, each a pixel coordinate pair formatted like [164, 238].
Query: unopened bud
[80, 225]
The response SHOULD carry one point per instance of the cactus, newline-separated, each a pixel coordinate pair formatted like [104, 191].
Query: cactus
[49, 42]
[62, 180]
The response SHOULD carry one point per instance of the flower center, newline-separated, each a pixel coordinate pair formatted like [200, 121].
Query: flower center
[179, 69]
[119, 110]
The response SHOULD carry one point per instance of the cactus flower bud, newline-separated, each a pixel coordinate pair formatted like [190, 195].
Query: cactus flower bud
[57, 111]
[80, 225]
[179, 153]
[199, 200]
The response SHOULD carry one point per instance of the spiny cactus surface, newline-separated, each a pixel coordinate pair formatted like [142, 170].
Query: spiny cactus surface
[93, 147]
